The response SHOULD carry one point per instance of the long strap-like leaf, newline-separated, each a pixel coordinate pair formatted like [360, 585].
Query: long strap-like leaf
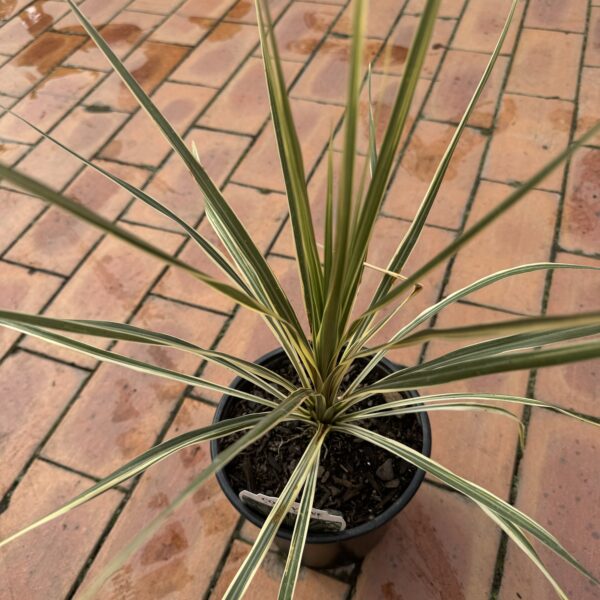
[132, 363]
[431, 311]
[412, 235]
[376, 191]
[469, 489]
[292, 164]
[253, 372]
[269, 529]
[225, 456]
[516, 361]
[298, 541]
[143, 462]
[85, 214]
[484, 222]
[546, 323]
[228, 227]
[211, 251]
[389, 406]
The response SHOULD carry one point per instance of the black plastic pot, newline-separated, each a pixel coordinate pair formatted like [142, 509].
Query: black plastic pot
[326, 549]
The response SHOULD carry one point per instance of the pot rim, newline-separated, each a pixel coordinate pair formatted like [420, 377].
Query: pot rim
[324, 537]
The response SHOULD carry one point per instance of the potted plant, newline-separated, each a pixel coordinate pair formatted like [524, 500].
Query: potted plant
[328, 394]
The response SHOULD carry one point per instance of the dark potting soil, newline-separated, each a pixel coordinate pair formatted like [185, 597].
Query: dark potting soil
[356, 478]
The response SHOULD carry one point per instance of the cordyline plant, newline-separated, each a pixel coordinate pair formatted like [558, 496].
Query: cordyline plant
[322, 356]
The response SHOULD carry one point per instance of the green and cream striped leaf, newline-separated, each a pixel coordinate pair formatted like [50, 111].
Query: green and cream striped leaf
[519, 538]
[389, 146]
[251, 263]
[506, 344]
[211, 251]
[327, 339]
[512, 199]
[431, 311]
[269, 529]
[255, 373]
[514, 326]
[292, 164]
[390, 405]
[132, 363]
[143, 462]
[414, 231]
[298, 541]
[487, 365]
[282, 412]
[441, 406]
[469, 489]
[81, 212]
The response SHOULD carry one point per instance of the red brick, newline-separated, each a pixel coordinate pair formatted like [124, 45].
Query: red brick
[24, 291]
[449, 8]
[10, 153]
[31, 22]
[83, 132]
[580, 227]
[159, 7]
[45, 563]
[99, 12]
[455, 84]
[592, 52]
[477, 445]
[393, 58]
[440, 547]
[150, 63]
[381, 17]
[183, 555]
[314, 123]
[121, 412]
[141, 142]
[174, 186]
[522, 235]
[218, 56]
[325, 78]
[45, 105]
[58, 241]
[182, 28]
[8, 10]
[480, 27]
[261, 215]
[311, 584]
[248, 89]
[574, 385]
[529, 133]
[28, 67]
[34, 393]
[555, 14]
[588, 113]
[302, 27]
[16, 212]
[556, 482]
[417, 167]
[546, 64]
[122, 34]
[108, 286]
[243, 11]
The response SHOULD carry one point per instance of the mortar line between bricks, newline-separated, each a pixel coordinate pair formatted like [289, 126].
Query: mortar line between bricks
[527, 412]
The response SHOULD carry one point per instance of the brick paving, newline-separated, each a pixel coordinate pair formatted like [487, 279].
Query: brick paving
[66, 420]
